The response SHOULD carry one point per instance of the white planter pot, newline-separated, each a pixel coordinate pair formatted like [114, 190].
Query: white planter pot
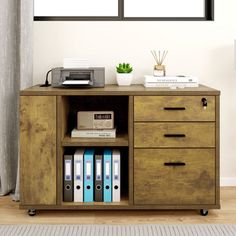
[124, 79]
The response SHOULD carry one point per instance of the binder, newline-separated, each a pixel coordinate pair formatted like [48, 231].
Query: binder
[78, 175]
[88, 175]
[98, 176]
[107, 175]
[68, 178]
[116, 175]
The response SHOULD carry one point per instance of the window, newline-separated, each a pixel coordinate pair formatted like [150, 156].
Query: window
[123, 9]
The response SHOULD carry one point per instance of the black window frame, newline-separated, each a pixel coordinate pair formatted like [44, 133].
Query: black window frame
[209, 16]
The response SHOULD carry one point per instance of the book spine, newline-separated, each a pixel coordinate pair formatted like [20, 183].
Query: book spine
[163, 85]
[93, 134]
[171, 79]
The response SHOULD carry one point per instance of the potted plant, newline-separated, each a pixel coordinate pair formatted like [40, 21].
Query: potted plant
[124, 74]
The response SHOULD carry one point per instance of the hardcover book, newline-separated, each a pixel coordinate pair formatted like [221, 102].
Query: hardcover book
[91, 133]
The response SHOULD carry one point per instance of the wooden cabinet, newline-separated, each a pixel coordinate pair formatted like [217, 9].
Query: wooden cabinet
[169, 141]
[181, 170]
[38, 150]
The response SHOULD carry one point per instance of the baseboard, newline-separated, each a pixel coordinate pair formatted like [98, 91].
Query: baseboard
[227, 182]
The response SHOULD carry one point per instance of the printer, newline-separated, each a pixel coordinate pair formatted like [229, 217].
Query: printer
[78, 77]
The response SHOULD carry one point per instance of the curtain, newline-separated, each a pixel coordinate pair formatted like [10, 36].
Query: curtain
[16, 26]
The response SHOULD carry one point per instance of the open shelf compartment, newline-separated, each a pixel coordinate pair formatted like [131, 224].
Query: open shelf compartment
[69, 107]
[124, 185]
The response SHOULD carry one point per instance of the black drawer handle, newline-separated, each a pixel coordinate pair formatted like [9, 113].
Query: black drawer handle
[174, 108]
[174, 164]
[174, 135]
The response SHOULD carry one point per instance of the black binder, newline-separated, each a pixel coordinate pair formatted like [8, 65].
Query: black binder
[68, 178]
[98, 176]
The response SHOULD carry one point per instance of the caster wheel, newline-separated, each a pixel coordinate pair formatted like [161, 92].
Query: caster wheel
[204, 212]
[31, 212]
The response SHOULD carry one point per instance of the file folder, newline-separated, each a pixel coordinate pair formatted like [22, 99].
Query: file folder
[98, 176]
[68, 178]
[116, 175]
[78, 175]
[107, 175]
[88, 175]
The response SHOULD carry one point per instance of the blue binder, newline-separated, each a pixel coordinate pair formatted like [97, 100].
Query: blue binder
[107, 175]
[88, 175]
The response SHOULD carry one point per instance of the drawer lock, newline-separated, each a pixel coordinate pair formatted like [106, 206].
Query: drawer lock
[204, 103]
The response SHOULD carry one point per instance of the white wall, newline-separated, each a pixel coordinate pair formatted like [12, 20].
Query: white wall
[204, 49]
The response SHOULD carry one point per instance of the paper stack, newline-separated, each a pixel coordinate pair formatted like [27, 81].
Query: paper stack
[75, 63]
[170, 81]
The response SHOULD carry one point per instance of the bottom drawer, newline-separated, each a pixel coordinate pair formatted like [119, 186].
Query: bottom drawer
[174, 176]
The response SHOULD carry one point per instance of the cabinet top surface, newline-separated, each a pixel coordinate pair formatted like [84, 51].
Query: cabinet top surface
[117, 90]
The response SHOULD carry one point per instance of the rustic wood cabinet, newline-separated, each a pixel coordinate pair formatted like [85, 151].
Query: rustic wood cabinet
[169, 140]
[38, 150]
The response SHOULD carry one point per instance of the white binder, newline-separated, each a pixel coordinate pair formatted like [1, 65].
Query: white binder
[78, 175]
[116, 175]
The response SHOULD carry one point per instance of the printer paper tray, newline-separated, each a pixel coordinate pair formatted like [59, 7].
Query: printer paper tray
[76, 82]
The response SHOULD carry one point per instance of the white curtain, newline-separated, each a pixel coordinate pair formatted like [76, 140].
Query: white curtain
[16, 35]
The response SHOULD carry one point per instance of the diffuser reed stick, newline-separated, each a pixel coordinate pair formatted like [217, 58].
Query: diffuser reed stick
[161, 56]
[159, 68]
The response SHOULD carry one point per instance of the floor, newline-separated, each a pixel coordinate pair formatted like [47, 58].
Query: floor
[10, 214]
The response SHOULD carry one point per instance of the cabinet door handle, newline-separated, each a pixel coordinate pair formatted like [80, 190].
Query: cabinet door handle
[174, 135]
[174, 164]
[174, 108]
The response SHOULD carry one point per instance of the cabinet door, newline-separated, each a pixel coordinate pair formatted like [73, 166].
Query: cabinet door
[174, 176]
[38, 150]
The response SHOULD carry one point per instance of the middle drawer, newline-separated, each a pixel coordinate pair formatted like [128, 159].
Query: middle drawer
[151, 135]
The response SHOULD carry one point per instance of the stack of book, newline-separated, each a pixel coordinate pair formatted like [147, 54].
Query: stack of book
[93, 133]
[170, 81]
[94, 124]
[92, 175]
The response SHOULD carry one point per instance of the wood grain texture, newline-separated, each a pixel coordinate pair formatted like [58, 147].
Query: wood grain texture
[217, 113]
[121, 140]
[38, 150]
[201, 132]
[152, 135]
[121, 90]
[131, 149]
[63, 110]
[154, 108]
[60, 127]
[155, 183]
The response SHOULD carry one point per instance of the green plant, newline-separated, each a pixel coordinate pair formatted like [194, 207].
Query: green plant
[124, 68]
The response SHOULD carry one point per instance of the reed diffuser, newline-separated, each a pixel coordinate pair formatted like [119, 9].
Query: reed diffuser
[159, 68]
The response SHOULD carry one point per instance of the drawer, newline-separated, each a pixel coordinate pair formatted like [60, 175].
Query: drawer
[147, 135]
[173, 108]
[174, 176]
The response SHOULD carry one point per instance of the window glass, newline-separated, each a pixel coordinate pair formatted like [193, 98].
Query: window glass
[75, 8]
[164, 8]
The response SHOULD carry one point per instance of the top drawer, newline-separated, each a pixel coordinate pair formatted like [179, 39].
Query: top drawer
[173, 108]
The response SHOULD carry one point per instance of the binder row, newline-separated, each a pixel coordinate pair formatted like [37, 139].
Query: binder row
[92, 175]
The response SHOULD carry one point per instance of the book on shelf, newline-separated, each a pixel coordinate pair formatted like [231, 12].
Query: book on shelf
[170, 79]
[170, 85]
[93, 133]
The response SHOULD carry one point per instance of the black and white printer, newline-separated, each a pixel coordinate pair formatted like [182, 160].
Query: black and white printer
[78, 77]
